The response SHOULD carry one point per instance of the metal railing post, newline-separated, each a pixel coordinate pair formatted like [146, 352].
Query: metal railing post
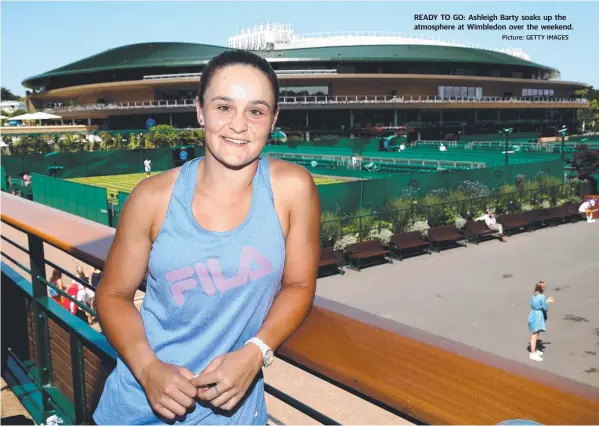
[79, 397]
[40, 318]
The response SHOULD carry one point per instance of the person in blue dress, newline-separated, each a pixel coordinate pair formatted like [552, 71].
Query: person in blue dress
[229, 247]
[539, 306]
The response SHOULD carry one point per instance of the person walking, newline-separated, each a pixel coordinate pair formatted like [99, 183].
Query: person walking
[539, 306]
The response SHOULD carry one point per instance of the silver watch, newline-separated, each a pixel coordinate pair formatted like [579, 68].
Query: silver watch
[268, 355]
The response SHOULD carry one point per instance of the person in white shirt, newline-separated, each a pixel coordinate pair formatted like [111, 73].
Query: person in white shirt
[84, 294]
[491, 222]
[587, 209]
[442, 148]
[148, 167]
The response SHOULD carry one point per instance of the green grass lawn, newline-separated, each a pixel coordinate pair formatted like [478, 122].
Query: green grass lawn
[126, 183]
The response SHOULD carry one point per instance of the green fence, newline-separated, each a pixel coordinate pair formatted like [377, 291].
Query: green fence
[4, 182]
[350, 196]
[522, 137]
[368, 226]
[85, 201]
[116, 206]
[96, 163]
[583, 138]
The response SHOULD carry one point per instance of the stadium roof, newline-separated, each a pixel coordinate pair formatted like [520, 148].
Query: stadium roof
[166, 54]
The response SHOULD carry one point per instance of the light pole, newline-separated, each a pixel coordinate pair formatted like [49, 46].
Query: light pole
[563, 132]
[507, 132]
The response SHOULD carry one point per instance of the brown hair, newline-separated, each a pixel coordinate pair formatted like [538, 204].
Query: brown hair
[540, 287]
[238, 57]
[56, 274]
[80, 272]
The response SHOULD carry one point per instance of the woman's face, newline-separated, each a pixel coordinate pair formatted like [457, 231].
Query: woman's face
[238, 114]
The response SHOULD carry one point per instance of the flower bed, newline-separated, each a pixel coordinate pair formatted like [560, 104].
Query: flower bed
[440, 208]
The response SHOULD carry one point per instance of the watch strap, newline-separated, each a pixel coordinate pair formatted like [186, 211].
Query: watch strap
[264, 348]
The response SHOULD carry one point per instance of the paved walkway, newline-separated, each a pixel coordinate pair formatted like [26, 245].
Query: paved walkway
[12, 411]
[479, 295]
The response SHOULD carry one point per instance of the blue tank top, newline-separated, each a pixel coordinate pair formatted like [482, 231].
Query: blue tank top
[207, 294]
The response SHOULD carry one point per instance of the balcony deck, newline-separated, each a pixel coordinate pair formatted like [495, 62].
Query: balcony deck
[331, 102]
[401, 368]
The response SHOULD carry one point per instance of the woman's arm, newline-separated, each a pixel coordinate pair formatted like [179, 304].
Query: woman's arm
[234, 372]
[302, 245]
[544, 304]
[167, 387]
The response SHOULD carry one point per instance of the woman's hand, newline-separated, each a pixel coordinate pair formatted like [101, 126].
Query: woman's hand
[550, 300]
[230, 376]
[168, 388]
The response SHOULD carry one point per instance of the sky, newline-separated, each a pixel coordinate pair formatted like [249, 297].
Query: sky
[39, 36]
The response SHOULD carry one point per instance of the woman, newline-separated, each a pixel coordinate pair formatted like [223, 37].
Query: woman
[587, 209]
[536, 319]
[56, 279]
[84, 294]
[230, 243]
[75, 291]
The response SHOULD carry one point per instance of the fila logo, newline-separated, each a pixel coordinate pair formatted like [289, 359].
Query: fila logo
[211, 276]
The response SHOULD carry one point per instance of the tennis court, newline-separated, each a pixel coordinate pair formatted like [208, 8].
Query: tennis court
[126, 183]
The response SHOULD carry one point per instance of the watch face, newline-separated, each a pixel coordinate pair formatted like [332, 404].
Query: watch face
[269, 357]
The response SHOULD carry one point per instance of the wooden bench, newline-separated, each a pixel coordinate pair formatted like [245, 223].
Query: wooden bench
[445, 235]
[553, 215]
[514, 222]
[330, 262]
[475, 230]
[560, 214]
[535, 218]
[408, 242]
[370, 251]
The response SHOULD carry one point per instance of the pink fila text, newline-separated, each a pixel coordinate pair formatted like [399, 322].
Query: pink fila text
[211, 276]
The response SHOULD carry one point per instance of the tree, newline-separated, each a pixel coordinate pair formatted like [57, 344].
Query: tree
[135, 141]
[161, 135]
[586, 164]
[589, 116]
[108, 141]
[27, 145]
[71, 143]
[16, 112]
[190, 137]
[7, 95]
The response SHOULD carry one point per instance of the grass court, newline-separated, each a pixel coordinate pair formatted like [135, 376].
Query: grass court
[126, 183]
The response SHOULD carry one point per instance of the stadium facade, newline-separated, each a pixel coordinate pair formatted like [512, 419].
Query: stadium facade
[329, 82]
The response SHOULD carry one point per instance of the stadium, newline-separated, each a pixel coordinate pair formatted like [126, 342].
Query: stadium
[333, 84]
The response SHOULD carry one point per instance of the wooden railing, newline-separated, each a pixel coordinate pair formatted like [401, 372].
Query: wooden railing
[423, 377]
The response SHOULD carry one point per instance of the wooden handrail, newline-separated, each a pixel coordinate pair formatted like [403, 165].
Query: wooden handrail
[84, 239]
[427, 377]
